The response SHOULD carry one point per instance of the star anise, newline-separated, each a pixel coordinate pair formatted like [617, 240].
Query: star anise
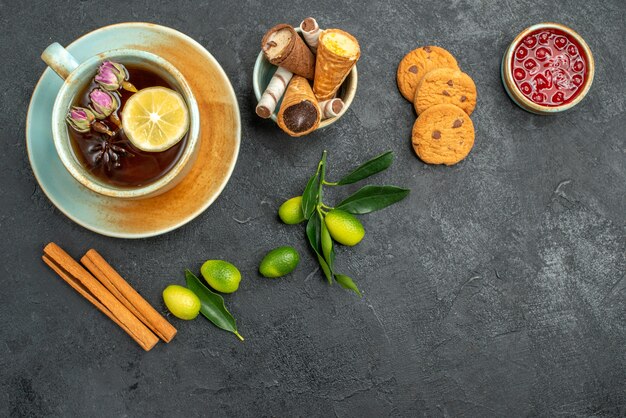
[109, 154]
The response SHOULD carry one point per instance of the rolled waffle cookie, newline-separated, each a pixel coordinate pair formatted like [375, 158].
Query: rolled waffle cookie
[274, 91]
[331, 108]
[283, 47]
[337, 53]
[311, 32]
[299, 112]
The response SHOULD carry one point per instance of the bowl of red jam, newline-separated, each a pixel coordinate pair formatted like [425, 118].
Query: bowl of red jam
[548, 68]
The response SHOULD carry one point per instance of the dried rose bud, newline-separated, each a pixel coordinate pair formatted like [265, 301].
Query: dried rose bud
[111, 76]
[103, 103]
[80, 119]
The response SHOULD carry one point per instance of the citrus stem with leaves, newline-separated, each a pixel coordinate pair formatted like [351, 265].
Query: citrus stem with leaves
[365, 200]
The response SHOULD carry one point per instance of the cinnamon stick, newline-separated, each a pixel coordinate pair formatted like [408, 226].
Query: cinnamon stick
[82, 281]
[126, 294]
[75, 284]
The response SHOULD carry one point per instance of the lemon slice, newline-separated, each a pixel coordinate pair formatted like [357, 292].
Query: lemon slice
[155, 119]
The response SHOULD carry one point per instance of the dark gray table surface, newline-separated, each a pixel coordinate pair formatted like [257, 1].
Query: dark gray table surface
[496, 289]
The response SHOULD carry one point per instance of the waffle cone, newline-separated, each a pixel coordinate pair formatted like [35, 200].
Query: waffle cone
[298, 91]
[331, 69]
[296, 57]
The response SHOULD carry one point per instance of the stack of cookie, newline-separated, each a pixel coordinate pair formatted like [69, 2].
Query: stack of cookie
[443, 97]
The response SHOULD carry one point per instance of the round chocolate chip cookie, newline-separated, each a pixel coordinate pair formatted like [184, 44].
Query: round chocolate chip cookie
[445, 85]
[417, 63]
[443, 134]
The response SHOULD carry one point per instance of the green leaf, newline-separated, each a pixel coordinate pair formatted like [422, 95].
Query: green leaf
[371, 198]
[309, 196]
[313, 233]
[327, 244]
[326, 269]
[322, 171]
[312, 194]
[212, 305]
[373, 166]
[347, 283]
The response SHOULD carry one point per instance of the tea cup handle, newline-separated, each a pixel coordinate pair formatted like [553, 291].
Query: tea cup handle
[59, 59]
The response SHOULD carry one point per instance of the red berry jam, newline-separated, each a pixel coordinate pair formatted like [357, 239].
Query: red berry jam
[549, 67]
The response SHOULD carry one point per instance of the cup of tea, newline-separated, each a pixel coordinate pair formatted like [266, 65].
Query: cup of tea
[99, 153]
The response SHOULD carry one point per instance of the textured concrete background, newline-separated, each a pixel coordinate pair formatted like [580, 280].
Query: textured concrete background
[496, 289]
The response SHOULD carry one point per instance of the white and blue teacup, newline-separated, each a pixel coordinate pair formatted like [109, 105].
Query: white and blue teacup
[77, 75]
